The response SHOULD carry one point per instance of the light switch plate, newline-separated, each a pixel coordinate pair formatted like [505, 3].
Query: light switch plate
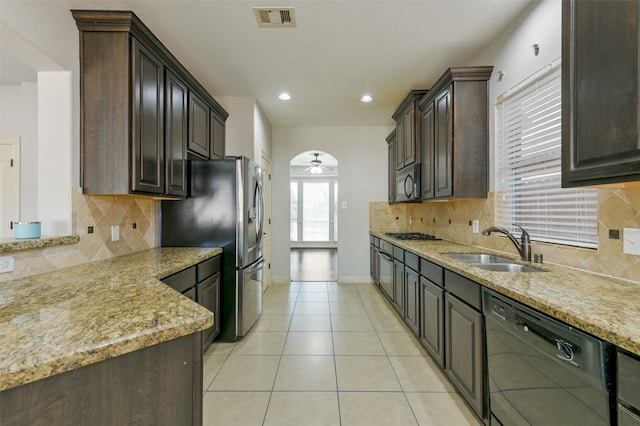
[476, 226]
[631, 241]
[7, 264]
[115, 233]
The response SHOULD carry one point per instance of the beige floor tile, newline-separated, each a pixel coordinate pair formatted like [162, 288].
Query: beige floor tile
[310, 322]
[333, 287]
[347, 308]
[366, 373]
[308, 343]
[375, 408]
[441, 409]
[311, 308]
[371, 295]
[260, 343]
[303, 408]
[351, 323]
[344, 296]
[211, 364]
[247, 373]
[280, 296]
[420, 374]
[288, 287]
[307, 287]
[306, 373]
[379, 308]
[390, 323]
[357, 343]
[277, 308]
[400, 344]
[235, 408]
[272, 322]
[220, 348]
[317, 296]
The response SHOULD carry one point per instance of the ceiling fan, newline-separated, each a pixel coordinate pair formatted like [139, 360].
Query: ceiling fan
[316, 166]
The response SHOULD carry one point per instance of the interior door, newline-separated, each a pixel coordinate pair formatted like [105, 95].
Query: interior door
[9, 184]
[266, 232]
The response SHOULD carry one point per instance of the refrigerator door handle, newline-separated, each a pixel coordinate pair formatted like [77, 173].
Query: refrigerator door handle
[254, 268]
[259, 195]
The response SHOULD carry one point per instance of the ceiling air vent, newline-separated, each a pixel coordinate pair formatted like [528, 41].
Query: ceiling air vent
[281, 17]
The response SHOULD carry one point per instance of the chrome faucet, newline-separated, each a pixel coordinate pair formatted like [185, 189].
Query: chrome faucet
[523, 247]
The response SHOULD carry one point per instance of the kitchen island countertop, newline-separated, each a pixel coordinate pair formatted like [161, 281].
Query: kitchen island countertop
[606, 307]
[63, 320]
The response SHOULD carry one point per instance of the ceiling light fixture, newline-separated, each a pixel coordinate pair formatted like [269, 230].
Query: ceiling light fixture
[366, 98]
[284, 96]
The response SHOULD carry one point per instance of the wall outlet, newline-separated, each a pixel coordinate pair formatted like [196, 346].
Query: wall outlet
[7, 264]
[115, 233]
[476, 226]
[631, 243]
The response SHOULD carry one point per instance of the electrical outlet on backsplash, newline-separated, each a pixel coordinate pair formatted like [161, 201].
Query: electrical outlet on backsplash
[617, 209]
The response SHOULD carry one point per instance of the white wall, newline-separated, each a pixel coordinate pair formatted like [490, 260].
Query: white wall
[362, 177]
[511, 52]
[239, 127]
[262, 134]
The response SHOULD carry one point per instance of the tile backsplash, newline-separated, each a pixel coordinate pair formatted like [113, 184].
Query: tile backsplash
[617, 209]
[99, 212]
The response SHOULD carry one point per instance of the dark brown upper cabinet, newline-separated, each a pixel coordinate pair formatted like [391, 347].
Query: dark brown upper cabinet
[408, 130]
[600, 89]
[135, 121]
[391, 141]
[454, 137]
[217, 135]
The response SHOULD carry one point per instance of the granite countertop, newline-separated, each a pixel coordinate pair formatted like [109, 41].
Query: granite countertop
[606, 307]
[8, 245]
[62, 320]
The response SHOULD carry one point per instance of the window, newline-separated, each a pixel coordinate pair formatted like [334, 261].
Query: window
[313, 210]
[528, 170]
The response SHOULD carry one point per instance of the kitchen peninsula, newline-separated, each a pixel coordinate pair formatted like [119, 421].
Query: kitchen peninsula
[103, 343]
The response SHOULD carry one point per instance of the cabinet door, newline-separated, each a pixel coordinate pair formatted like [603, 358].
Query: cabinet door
[464, 340]
[428, 142]
[217, 136]
[443, 145]
[392, 141]
[398, 286]
[176, 135]
[399, 145]
[600, 90]
[208, 295]
[148, 121]
[432, 319]
[409, 141]
[412, 299]
[198, 126]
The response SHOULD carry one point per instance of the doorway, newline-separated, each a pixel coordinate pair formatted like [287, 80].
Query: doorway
[313, 217]
[9, 184]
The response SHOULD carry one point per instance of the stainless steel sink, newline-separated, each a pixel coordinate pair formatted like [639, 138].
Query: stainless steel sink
[506, 267]
[491, 262]
[478, 258]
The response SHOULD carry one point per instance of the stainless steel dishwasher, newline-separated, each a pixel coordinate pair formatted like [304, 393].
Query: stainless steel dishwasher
[542, 371]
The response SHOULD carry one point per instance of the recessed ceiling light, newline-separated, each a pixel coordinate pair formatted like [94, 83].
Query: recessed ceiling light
[284, 96]
[366, 98]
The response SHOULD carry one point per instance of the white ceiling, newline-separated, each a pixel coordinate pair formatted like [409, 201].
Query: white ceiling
[338, 51]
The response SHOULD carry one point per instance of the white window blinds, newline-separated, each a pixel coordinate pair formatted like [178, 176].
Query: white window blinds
[528, 172]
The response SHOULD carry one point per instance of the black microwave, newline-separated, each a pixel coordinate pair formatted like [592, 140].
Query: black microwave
[408, 183]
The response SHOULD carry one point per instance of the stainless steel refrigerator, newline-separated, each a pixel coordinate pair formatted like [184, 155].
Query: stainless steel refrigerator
[224, 208]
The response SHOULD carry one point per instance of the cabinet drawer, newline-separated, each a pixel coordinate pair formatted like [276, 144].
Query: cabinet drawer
[463, 288]
[208, 268]
[412, 261]
[432, 272]
[386, 247]
[398, 253]
[629, 380]
[627, 418]
[182, 280]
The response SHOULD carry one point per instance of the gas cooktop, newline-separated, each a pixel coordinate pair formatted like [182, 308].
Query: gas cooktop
[411, 236]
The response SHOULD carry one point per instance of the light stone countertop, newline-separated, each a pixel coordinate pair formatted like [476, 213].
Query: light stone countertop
[8, 245]
[606, 307]
[59, 321]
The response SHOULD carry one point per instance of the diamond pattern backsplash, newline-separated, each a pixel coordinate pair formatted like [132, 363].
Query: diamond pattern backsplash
[617, 209]
[99, 212]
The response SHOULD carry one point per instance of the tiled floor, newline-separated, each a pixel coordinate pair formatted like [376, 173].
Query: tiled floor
[325, 353]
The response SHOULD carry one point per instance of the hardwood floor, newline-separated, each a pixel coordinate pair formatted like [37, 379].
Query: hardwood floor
[310, 264]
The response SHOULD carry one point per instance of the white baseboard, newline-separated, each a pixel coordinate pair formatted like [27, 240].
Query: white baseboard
[282, 279]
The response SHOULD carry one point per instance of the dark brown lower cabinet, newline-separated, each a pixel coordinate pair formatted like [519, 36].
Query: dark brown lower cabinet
[158, 385]
[398, 286]
[432, 319]
[412, 299]
[464, 350]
